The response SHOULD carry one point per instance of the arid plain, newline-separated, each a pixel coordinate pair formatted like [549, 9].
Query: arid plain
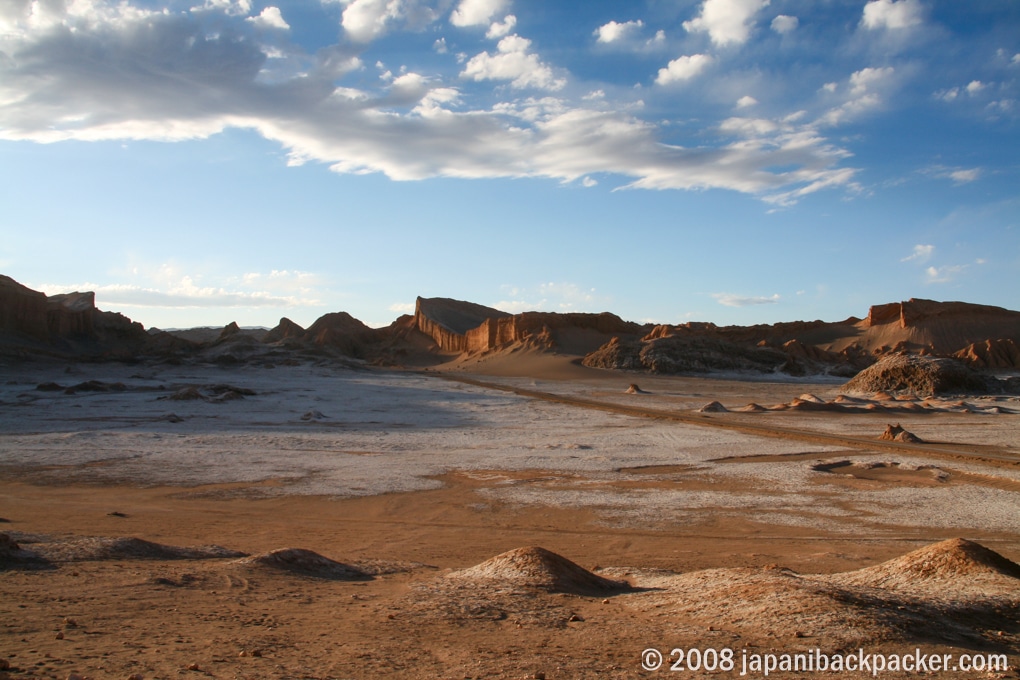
[726, 527]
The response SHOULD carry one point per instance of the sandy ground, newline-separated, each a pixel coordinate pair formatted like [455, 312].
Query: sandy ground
[405, 476]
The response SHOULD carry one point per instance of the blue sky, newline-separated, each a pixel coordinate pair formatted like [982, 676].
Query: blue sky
[735, 161]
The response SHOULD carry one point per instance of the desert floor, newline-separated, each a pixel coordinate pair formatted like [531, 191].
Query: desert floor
[760, 533]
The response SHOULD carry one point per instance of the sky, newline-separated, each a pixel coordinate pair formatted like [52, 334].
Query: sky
[733, 161]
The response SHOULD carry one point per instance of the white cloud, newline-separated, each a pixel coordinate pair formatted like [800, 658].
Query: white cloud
[366, 20]
[726, 21]
[965, 176]
[617, 32]
[440, 46]
[1016, 59]
[477, 12]
[892, 14]
[948, 95]
[270, 17]
[167, 287]
[498, 30]
[683, 68]
[402, 307]
[229, 7]
[975, 86]
[943, 274]
[784, 24]
[513, 61]
[922, 253]
[731, 300]
[865, 94]
[588, 182]
[746, 101]
[151, 76]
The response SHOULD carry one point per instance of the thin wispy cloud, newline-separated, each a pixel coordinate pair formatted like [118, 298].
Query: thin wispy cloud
[922, 253]
[731, 300]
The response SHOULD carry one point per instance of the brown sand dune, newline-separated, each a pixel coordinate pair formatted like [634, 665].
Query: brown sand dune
[305, 563]
[540, 569]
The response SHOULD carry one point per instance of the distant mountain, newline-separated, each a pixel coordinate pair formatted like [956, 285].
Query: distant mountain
[444, 330]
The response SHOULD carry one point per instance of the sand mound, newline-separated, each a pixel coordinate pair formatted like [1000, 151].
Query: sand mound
[314, 415]
[541, 569]
[956, 560]
[923, 375]
[123, 548]
[713, 407]
[634, 389]
[752, 408]
[305, 563]
[895, 433]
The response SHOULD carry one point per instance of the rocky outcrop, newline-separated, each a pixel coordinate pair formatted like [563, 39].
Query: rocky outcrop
[23, 311]
[919, 375]
[448, 321]
[68, 323]
[941, 328]
[284, 330]
[684, 354]
[1000, 353]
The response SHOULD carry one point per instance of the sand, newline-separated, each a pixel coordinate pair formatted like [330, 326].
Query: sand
[314, 524]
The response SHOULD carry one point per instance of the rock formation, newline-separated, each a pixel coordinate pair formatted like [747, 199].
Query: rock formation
[919, 375]
[65, 324]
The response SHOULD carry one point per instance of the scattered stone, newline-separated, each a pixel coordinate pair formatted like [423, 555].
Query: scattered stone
[895, 433]
[314, 415]
[194, 667]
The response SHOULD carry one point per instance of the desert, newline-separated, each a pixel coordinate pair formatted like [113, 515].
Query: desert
[471, 494]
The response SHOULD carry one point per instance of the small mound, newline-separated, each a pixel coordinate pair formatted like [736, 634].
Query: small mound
[895, 433]
[124, 548]
[305, 563]
[634, 389]
[956, 559]
[539, 568]
[811, 398]
[713, 407]
[186, 394]
[314, 415]
[752, 408]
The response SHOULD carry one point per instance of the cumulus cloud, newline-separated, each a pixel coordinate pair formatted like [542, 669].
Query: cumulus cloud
[125, 73]
[402, 307]
[731, 300]
[683, 68]
[500, 29]
[366, 20]
[746, 101]
[477, 12]
[270, 17]
[617, 32]
[892, 14]
[726, 21]
[784, 24]
[513, 61]
[922, 253]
